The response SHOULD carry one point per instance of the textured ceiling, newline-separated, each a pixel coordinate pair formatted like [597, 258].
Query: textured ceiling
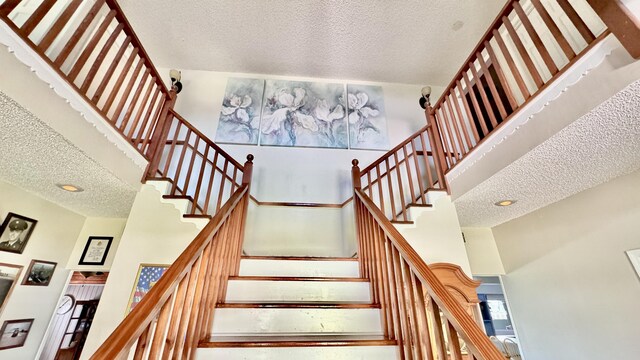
[600, 146]
[402, 41]
[34, 157]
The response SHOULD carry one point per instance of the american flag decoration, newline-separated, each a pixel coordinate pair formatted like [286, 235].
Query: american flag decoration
[149, 276]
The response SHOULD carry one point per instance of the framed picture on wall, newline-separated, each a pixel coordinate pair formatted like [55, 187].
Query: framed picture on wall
[148, 276]
[39, 273]
[9, 275]
[96, 250]
[15, 232]
[14, 333]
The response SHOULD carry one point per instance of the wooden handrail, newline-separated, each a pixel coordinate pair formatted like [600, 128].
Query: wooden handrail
[496, 80]
[130, 330]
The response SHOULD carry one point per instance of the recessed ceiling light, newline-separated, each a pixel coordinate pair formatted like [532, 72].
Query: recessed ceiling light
[505, 202]
[70, 188]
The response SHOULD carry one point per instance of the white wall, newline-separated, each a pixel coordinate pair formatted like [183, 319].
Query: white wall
[482, 250]
[52, 239]
[436, 234]
[154, 234]
[569, 283]
[93, 226]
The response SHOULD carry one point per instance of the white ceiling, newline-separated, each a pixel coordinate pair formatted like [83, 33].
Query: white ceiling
[402, 41]
[34, 157]
[598, 147]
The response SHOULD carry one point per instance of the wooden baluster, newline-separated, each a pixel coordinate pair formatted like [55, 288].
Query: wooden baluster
[464, 146]
[134, 101]
[483, 94]
[7, 7]
[441, 346]
[373, 260]
[402, 305]
[380, 188]
[78, 34]
[180, 160]
[143, 342]
[142, 135]
[492, 86]
[386, 280]
[215, 280]
[212, 178]
[35, 18]
[463, 122]
[454, 342]
[174, 142]
[465, 103]
[58, 25]
[226, 269]
[449, 146]
[542, 49]
[93, 70]
[411, 304]
[127, 92]
[554, 29]
[577, 21]
[456, 146]
[503, 80]
[191, 339]
[621, 22]
[369, 184]
[222, 184]
[393, 292]
[390, 188]
[188, 307]
[476, 103]
[422, 317]
[120, 80]
[200, 178]
[512, 65]
[187, 181]
[91, 45]
[430, 183]
[176, 313]
[141, 108]
[201, 330]
[523, 52]
[414, 153]
[400, 186]
[155, 125]
[381, 278]
[407, 165]
[159, 336]
[356, 183]
[234, 181]
[111, 69]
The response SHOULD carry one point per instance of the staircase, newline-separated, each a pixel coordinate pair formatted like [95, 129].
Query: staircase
[297, 308]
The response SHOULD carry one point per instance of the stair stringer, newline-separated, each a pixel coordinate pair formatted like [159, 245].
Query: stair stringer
[181, 205]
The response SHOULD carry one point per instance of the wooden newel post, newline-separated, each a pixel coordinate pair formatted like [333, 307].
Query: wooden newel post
[154, 153]
[246, 180]
[355, 174]
[248, 170]
[435, 139]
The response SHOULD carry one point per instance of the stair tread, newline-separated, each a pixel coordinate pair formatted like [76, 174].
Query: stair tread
[296, 341]
[297, 305]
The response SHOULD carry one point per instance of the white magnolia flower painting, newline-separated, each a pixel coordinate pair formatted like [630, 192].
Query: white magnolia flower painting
[240, 115]
[304, 114]
[367, 121]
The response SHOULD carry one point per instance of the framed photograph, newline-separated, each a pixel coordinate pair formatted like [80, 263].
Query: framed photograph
[9, 275]
[148, 275]
[39, 273]
[14, 333]
[15, 232]
[96, 250]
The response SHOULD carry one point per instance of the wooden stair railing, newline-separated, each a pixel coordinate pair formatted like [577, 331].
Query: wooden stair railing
[92, 47]
[402, 177]
[417, 310]
[177, 312]
[515, 60]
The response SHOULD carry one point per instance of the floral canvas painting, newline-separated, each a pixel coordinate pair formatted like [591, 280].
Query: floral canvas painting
[367, 121]
[304, 114]
[240, 115]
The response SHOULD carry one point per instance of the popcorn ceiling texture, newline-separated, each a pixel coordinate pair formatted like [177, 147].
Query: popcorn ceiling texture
[399, 41]
[35, 158]
[596, 148]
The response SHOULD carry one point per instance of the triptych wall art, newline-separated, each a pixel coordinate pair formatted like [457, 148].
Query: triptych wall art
[303, 114]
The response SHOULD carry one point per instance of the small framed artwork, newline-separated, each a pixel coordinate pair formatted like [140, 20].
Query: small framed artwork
[14, 333]
[9, 275]
[15, 232]
[148, 275]
[39, 273]
[96, 250]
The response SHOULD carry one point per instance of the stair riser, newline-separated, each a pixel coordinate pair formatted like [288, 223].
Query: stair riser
[299, 268]
[303, 321]
[306, 353]
[256, 291]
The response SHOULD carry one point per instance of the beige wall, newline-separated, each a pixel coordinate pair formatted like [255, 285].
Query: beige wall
[484, 258]
[52, 239]
[571, 288]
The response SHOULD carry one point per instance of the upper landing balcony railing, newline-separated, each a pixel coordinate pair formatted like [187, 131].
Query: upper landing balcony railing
[529, 46]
